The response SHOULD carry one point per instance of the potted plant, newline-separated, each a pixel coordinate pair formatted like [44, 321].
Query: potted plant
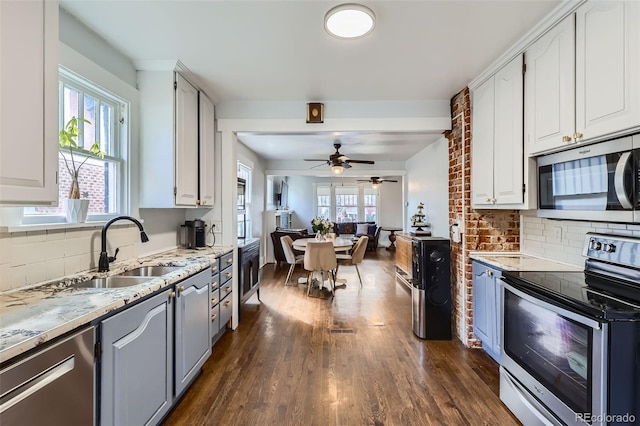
[68, 137]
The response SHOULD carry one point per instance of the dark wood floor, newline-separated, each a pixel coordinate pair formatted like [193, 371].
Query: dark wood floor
[350, 360]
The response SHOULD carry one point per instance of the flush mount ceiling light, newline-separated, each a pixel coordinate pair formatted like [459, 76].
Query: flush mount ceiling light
[349, 21]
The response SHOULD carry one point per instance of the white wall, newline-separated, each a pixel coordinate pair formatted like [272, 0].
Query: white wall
[301, 200]
[538, 236]
[79, 37]
[428, 182]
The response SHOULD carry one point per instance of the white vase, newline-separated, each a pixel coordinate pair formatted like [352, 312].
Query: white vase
[77, 210]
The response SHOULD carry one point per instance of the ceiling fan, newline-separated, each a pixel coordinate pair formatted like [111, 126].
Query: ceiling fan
[375, 181]
[339, 162]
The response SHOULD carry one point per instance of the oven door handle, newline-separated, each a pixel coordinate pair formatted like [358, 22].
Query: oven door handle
[553, 308]
[618, 181]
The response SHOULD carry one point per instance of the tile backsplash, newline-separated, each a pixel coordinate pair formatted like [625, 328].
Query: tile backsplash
[562, 240]
[32, 256]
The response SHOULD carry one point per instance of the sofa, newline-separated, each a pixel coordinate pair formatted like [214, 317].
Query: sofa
[278, 252]
[351, 229]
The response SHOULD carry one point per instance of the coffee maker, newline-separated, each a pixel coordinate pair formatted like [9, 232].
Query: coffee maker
[193, 234]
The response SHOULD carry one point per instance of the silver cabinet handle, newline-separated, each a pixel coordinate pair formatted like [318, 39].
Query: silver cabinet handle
[213, 317]
[228, 274]
[227, 303]
[229, 260]
[618, 181]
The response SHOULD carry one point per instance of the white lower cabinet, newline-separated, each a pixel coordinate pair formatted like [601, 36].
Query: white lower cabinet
[152, 351]
[487, 308]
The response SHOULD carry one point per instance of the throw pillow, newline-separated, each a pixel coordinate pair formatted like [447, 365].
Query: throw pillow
[362, 228]
[372, 229]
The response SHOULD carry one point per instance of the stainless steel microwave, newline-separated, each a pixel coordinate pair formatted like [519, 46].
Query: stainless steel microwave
[599, 182]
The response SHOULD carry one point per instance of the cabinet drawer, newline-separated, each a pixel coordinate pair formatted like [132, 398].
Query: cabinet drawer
[215, 320]
[226, 309]
[215, 282]
[226, 260]
[226, 275]
[225, 289]
[215, 297]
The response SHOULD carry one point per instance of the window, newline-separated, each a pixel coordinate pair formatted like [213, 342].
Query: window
[350, 203]
[346, 204]
[244, 219]
[102, 180]
[370, 205]
[323, 197]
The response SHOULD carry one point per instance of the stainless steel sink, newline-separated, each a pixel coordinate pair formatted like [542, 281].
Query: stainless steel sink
[149, 271]
[111, 282]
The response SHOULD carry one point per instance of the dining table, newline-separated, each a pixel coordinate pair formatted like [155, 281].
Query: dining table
[340, 244]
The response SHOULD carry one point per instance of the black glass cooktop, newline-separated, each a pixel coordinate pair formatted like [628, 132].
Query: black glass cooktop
[583, 292]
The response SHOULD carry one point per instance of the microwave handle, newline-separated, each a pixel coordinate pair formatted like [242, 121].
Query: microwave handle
[619, 181]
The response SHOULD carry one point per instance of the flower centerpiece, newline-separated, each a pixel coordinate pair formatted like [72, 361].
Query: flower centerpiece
[68, 138]
[321, 226]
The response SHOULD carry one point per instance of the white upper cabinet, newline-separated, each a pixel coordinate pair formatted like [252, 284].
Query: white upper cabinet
[28, 103]
[176, 142]
[607, 67]
[583, 77]
[206, 149]
[497, 169]
[186, 123]
[482, 144]
[550, 89]
[508, 144]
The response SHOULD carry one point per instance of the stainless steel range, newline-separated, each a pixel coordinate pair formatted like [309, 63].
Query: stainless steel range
[571, 340]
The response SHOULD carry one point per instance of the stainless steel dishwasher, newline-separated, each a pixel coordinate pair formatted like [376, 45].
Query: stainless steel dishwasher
[53, 386]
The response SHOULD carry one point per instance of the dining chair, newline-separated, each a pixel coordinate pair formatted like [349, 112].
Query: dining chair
[356, 256]
[290, 256]
[320, 257]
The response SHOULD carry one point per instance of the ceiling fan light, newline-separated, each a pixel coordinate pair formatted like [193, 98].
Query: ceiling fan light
[374, 185]
[337, 169]
[349, 21]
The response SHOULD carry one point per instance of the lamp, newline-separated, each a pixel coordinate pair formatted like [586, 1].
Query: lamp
[349, 21]
[337, 169]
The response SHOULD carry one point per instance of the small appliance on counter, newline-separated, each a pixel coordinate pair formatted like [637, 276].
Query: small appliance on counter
[192, 235]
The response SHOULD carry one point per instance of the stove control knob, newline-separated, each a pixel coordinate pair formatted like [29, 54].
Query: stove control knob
[595, 245]
[610, 248]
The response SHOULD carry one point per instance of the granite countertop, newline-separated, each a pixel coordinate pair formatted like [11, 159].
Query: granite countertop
[516, 261]
[31, 316]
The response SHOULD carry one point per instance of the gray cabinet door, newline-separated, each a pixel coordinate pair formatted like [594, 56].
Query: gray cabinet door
[192, 333]
[137, 364]
[482, 300]
[487, 308]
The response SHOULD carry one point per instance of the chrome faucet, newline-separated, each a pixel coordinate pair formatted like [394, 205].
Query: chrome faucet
[105, 259]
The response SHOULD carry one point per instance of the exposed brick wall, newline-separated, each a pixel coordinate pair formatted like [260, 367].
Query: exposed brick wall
[92, 186]
[485, 230]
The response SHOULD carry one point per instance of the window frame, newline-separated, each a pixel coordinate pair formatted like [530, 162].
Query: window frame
[245, 172]
[118, 149]
[362, 188]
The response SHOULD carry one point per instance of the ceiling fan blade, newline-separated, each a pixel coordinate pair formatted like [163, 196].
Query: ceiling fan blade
[361, 161]
[387, 180]
[315, 159]
[359, 180]
[316, 166]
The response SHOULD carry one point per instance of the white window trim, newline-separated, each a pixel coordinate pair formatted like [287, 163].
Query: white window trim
[332, 200]
[122, 107]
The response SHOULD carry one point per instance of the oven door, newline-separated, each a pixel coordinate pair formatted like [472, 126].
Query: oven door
[557, 355]
[594, 182]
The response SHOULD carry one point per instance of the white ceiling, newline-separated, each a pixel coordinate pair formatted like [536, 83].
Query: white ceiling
[278, 51]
